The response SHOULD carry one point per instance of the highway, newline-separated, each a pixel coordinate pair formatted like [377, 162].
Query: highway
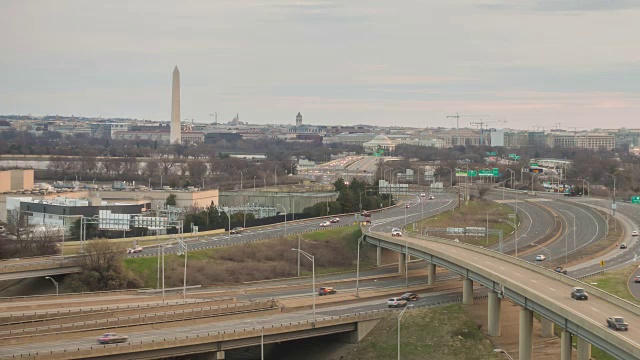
[540, 290]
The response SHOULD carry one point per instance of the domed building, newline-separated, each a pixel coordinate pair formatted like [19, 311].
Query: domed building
[380, 142]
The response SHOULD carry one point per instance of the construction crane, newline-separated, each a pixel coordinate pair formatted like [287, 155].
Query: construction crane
[481, 126]
[457, 117]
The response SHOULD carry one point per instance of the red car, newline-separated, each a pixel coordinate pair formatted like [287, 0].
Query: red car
[112, 338]
[335, 220]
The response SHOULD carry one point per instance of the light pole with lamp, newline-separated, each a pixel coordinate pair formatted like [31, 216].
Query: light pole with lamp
[261, 337]
[254, 183]
[313, 277]
[516, 229]
[613, 204]
[275, 175]
[182, 245]
[400, 318]
[54, 283]
[241, 178]
[357, 266]
[228, 217]
[285, 219]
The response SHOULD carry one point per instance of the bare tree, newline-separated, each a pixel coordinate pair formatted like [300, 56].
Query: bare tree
[483, 189]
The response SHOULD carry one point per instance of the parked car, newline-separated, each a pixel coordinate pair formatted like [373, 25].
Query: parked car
[431, 197]
[636, 279]
[396, 302]
[325, 223]
[617, 323]
[541, 258]
[407, 206]
[112, 338]
[579, 294]
[134, 250]
[410, 297]
[326, 291]
[236, 230]
[634, 233]
[334, 220]
[423, 195]
[623, 246]
[396, 232]
[561, 270]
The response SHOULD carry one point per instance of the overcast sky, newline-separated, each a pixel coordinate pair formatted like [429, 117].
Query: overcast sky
[529, 62]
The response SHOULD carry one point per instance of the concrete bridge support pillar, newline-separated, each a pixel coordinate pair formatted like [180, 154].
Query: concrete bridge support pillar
[525, 341]
[584, 349]
[378, 256]
[214, 355]
[467, 292]
[494, 314]
[402, 258]
[547, 328]
[432, 274]
[565, 345]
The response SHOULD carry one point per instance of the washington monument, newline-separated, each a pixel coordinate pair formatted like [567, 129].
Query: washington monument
[175, 134]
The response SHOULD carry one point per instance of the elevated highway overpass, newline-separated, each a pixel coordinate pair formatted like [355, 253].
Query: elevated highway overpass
[532, 287]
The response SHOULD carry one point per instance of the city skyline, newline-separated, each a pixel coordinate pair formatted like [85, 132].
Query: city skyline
[532, 63]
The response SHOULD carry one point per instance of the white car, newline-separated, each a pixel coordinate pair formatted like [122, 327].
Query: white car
[134, 250]
[423, 195]
[396, 302]
[431, 197]
[396, 232]
[540, 258]
[634, 233]
[325, 223]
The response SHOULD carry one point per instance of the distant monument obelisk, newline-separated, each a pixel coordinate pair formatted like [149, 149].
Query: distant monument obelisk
[175, 134]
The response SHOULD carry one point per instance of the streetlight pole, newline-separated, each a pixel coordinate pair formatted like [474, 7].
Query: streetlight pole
[613, 204]
[228, 217]
[261, 337]
[299, 265]
[313, 277]
[357, 266]
[54, 283]
[254, 183]
[285, 219]
[241, 176]
[400, 318]
[182, 244]
[275, 175]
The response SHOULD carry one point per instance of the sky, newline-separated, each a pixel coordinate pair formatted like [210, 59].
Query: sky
[532, 63]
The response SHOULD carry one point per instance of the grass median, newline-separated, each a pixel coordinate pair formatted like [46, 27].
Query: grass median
[334, 251]
[474, 214]
[442, 333]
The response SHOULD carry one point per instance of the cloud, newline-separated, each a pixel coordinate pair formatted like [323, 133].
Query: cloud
[566, 6]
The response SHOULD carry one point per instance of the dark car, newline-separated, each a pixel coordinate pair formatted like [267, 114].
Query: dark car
[617, 323]
[410, 297]
[112, 338]
[561, 270]
[579, 294]
[236, 230]
[326, 291]
[623, 246]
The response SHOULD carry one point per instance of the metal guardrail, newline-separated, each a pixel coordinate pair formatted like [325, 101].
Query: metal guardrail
[201, 337]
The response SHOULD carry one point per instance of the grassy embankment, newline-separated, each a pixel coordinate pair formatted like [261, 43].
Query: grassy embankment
[474, 214]
[442, 333]
[334, 251]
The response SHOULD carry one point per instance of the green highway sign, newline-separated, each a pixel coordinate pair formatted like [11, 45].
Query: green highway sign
[635, 199]
[486, 173]
[533, 164]
[472, 173]
[496, 172]
[512, 155]
[491, 153]
[517, 157]
[461, 173]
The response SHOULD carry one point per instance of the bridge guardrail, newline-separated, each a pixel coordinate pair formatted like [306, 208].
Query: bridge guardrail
[199, 338]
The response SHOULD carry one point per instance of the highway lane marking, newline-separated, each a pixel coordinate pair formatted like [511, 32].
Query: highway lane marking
[552, 289]
[501, 268]
[534, 281]
[595, 309]
[517, 273]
